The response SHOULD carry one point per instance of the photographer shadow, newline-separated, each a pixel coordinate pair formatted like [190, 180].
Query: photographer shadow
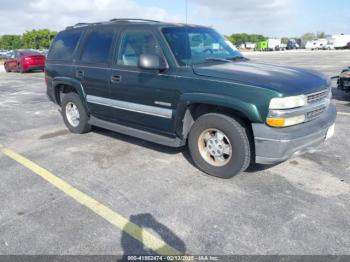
[132, 246]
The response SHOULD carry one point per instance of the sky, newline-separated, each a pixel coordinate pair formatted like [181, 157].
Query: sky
[273, 18]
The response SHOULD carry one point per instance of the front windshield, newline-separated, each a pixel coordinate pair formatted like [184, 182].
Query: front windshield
[193, 45]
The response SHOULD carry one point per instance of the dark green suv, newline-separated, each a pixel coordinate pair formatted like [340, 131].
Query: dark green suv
[178, 85]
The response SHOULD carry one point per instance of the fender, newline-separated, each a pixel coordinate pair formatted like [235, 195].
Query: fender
[73, 83]
[247, 109]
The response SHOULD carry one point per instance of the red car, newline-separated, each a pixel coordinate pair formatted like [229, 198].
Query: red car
[24, 60]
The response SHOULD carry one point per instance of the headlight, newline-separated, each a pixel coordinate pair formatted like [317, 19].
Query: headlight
[284, 122]
[288, 102]
[282, 104]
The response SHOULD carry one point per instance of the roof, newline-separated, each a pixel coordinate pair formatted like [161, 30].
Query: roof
[129, 21]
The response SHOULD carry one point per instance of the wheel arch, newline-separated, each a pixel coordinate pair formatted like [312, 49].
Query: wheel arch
[190, 109]
[65, 85]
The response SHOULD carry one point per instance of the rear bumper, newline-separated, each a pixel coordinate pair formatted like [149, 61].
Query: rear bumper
[274, 145]
[33, 67]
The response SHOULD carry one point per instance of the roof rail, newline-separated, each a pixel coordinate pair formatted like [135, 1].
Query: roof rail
[114, 20]
[133, 19]
[81, 24]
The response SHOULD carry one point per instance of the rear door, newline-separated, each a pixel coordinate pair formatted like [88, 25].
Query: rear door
[93, 67]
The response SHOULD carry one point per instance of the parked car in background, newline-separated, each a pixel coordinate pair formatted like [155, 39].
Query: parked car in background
[180, 85]
[293, 44]
[24, 60]
[344, 80]
[4, 54]
[43, 51]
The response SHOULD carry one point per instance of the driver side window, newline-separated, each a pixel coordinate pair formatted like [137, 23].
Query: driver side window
[134, 44]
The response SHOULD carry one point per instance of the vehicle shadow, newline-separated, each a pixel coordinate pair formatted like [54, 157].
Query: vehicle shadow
[133, 246]
[33, 72]
[149, 145]
[253, 168]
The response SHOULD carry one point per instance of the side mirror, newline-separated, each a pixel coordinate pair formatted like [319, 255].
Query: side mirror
[152, 62]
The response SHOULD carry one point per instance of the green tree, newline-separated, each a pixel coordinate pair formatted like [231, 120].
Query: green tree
[38, 39]
[307, 37]
[321, 35]
[9, 42]
[242, 38]
[284, 40]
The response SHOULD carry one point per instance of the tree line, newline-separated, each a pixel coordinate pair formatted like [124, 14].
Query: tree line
[242, 38]
[35, 39]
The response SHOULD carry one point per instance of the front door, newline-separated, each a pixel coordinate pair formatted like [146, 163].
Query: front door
[141, 98]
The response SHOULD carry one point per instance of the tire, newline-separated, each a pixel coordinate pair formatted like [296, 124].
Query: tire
[7, 69]
[235, 135]
[81, 125]
[20, 69]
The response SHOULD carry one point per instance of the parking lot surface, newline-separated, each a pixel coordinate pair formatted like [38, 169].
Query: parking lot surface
[297, 207]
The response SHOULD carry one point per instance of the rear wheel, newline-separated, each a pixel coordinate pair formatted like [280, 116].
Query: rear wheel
[6, 68]
[219, 145]
[74, 114]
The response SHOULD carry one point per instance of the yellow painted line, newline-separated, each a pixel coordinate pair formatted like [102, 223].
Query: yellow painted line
[145, 237]
[343, 114]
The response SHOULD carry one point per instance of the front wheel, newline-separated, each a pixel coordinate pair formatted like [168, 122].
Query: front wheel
[20, 68]
[74, 114]
[219, 145]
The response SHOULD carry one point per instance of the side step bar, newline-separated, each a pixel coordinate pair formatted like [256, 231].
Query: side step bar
[159, 139]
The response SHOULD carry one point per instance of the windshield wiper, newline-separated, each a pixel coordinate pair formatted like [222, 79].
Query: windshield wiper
[213, 59]
[237, 58]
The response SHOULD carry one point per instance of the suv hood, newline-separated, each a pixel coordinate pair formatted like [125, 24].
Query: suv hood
[285, 80]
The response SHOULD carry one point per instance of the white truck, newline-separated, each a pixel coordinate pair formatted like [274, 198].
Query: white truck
[316, 44]
[340, 41]
[274, 44]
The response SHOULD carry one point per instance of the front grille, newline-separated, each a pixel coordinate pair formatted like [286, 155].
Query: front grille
[317, 97]
[321, 97]
[315, 113]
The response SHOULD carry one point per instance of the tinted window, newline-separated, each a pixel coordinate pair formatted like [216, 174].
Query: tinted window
[134, 44]
[97, 46]
[64, 45]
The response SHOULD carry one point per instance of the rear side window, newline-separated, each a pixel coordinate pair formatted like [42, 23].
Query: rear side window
[64, 45]
[97, 46]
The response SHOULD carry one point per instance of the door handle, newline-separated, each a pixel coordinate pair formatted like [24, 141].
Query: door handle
[116, 78]
[79, 74]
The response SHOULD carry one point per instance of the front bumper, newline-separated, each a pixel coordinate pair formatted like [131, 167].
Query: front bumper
[274, 145]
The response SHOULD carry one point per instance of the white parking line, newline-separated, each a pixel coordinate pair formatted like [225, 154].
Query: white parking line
[343, 114]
